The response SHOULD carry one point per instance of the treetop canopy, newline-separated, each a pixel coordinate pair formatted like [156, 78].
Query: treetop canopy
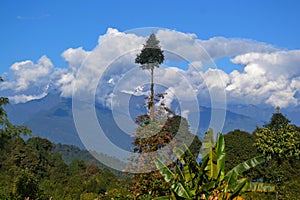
[151, 55]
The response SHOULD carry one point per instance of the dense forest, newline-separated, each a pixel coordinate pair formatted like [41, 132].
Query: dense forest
[36, 169]
[237, 165]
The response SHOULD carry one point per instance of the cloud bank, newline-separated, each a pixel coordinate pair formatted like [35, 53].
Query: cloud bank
[267, 75]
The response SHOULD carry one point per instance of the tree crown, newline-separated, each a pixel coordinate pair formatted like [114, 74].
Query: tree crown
[151, 55]
[278, 120]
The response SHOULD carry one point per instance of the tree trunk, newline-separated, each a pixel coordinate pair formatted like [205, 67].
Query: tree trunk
[152, 114]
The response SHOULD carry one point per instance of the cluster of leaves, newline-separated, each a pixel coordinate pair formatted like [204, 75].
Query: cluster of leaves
[151, 55]
[208, 180]
[279, 139]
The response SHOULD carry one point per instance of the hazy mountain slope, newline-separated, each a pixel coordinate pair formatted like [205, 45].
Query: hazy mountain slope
[51, 117]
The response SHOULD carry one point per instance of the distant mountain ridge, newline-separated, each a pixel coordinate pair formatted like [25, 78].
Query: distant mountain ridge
[21, 112]
[51, 117]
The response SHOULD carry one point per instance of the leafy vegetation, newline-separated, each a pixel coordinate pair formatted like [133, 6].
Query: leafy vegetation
[30, 169]
[279, 142]
[208, 180]
[282, 171]
[279, 139]
[72, 152]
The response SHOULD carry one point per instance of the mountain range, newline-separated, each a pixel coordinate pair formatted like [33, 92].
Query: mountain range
[51, 117]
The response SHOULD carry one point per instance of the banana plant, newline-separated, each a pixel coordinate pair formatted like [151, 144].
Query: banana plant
[190, 180]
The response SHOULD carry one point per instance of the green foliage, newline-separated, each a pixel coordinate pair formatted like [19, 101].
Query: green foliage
[279, 139]
[26, 186]
[239, 147]
[280, 143]
[208, 142]
[32, 165]
[277, 121]
[72, 152]
[151, 55]
[208, 180]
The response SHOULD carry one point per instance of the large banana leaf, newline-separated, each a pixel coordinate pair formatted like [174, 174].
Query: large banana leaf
[208, 142]
[182, 191]
[179, 188]
[164, 170]
[231, 177]
[220, 148]
[204, 163]
[164, 198]
[211, 167]
[239, 187]
[169, 197]
[243, 185]
[187, 159]
[187, 175]
[179, 174]
[179, 154]
[260, 187]
[216, 163]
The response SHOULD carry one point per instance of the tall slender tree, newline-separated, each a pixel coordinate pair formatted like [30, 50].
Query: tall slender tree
[150, 57]
[156, 131]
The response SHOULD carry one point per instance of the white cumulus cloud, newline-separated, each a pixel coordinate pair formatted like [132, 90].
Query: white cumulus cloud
[219, 47]
[270, 78]
[268, 75]
[28, 74]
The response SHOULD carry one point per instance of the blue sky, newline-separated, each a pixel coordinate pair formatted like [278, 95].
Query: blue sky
[32, 28]
[255, 45]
